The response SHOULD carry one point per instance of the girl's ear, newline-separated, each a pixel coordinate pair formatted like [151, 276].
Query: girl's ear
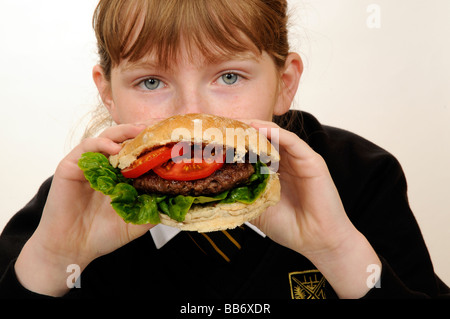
[290, 79]
[104, 89]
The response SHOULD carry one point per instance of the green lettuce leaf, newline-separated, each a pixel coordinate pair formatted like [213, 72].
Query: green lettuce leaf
[249, 192]
[131, 206]
[145, 208]
[176, 207]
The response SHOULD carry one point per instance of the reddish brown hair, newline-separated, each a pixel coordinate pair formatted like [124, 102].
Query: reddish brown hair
[131, 29]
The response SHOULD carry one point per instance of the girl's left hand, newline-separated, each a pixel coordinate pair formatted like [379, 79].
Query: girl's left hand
[310, 217]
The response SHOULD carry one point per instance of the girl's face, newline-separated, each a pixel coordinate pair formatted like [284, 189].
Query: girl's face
[244, 86]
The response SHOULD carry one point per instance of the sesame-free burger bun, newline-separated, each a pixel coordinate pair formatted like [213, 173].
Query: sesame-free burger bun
[241, 136]
[200, 128]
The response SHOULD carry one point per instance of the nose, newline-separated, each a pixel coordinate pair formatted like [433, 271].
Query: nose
[191, 99]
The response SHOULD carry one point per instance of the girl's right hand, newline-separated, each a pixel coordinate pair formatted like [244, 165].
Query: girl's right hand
[78, 223]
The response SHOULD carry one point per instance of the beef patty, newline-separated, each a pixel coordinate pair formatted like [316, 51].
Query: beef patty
[230, 175]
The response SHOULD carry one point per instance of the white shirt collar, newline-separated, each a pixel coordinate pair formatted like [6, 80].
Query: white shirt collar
[162, 234]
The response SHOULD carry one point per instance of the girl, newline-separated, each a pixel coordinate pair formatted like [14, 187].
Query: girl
[343, 225]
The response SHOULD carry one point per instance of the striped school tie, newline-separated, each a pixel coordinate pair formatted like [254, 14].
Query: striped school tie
[222, 245]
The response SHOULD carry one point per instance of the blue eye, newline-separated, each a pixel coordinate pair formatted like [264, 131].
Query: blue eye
[229, 78]
[152, 84]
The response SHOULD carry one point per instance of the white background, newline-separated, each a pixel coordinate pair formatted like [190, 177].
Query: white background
[389, 84]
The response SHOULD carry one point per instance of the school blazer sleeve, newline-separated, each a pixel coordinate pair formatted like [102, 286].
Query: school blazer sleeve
[373, 189]
[14, 236]
[384, 216]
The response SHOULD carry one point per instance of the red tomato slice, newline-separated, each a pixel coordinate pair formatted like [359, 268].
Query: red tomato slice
[187, 171]
[148, 161]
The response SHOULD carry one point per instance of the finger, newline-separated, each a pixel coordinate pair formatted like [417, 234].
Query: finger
[101, 145]
[96, 144]
[269, 129]
[122, 132]
[68, 167]
[288, 141]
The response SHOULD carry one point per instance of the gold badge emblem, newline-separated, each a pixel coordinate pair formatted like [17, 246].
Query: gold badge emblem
[308, 284]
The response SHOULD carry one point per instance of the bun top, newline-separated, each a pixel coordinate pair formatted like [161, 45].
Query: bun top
[197, 128]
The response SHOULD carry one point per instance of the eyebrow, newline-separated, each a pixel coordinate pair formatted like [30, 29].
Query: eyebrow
[239, 56]
[140, 64]
[151, 63]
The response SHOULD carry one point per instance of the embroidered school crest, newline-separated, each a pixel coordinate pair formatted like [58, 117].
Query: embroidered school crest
[308, 284]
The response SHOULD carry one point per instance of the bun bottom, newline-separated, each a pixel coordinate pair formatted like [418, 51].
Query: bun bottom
[227, 216]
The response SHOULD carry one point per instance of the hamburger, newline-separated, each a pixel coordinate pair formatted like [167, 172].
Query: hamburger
[196, 172]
